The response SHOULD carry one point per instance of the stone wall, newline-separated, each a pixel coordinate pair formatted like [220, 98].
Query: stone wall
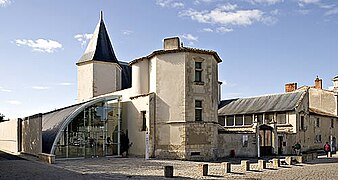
[234, 142]
[32, 135]
[9, 139]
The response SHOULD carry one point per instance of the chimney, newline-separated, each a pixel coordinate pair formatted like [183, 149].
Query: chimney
[171, 43]
[290, 87]
[318, 83]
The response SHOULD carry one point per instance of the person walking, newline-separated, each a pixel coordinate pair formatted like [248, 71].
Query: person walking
[327, 149]
[297, 148]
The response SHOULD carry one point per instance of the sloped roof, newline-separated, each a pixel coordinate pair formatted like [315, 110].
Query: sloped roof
[268, 103]
[99, 47]
[181, 49]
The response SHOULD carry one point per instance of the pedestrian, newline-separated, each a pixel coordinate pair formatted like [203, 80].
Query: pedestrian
[327, 149]
[297, 148]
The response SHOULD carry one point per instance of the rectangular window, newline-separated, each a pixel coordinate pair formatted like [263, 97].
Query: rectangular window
[301, 125]
[259, 118]
[281, 118]
[248, 119]
[198, 110]
[221, 120]
[198, 71]
[268, 117]
[317, 122]
[332, 123]
[144, 121]
[239, 120]
[230, 120]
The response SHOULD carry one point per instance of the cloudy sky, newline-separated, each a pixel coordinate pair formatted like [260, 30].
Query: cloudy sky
[263, 43]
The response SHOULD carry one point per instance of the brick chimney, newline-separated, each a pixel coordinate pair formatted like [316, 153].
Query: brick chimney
[171, 43]
[290, 87]
[318, 83]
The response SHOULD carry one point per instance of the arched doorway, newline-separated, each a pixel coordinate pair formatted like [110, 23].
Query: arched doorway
[265, 138]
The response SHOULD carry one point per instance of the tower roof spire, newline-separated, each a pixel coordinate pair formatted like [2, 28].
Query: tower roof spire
[99, 47]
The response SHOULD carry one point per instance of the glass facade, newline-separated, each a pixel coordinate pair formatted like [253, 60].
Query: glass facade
[92, 133]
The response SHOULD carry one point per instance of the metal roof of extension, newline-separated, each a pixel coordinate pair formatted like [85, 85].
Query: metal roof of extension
[99, 47]
[269, 103]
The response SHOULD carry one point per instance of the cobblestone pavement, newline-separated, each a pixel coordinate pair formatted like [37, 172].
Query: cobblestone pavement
[138, 168]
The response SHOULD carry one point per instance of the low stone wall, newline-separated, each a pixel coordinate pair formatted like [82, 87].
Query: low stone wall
[9, 141]
[48, 158]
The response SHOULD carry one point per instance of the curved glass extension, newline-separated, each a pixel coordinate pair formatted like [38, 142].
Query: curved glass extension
[90, 131]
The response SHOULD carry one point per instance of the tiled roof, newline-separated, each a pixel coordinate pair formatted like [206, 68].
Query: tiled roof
[99, 47]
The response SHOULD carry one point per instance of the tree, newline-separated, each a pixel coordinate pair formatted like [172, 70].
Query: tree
[2, 117]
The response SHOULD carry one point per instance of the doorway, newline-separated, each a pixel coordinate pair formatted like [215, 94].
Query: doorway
[265, 137]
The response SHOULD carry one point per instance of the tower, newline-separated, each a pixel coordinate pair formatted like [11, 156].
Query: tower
[99, 71]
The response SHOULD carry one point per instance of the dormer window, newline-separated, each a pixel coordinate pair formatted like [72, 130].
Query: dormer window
[198, 71]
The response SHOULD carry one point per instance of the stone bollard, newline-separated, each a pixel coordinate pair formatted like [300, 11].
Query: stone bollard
[245, 164]
[275, 163]
[299, 159]
[168, 171]
[288, 160]
[226, 167]
[314, 155]
[261, 165]
[203, 169]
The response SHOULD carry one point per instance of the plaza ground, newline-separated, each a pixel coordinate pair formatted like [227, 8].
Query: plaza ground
[13, 167]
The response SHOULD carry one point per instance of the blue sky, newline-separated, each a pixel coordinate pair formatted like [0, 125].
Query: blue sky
[263, 43]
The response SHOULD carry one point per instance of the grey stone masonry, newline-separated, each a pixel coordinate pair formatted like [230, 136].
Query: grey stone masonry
[203, 169]
[275, 163]
[261, 165]
[245, 164]
[226, 167]
[168, 171]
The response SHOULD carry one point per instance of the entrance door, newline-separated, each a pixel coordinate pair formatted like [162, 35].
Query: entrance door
[280, 145]
[265, 136]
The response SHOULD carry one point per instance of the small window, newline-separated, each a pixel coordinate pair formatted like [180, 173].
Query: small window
[301, 125]
[198, 71]
[198, 110]
[259, 118]
[332, 123]
[239, 120]
[317, 122]
[221, 120]
[230, 120]
[269, 117]
[144, 121]
[248, 119]
[281, 118]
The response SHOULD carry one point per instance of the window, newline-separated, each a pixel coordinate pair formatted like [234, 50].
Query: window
[198, 110]
[259, 118]
[198, 71]
[332, 123]
[144, 121]
[281, 118]
[221, 120]
[239, 120]
[301, 125]
[248, 119]
[318, 138]
[269, 117]
[317, 122]
[230, 120]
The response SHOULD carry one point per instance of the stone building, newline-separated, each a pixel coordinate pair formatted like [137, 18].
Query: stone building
[272, 124]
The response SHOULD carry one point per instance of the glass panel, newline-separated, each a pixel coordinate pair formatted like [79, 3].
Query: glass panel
[198, 114]
[247, 119]
[198, 76]
[239, 120]
[281, 118]
[221, 120]
[230, 120]
[259, 118]
[198, 65]
[269, 117]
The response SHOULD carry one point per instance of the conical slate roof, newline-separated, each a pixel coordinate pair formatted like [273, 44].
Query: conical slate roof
[99, 47]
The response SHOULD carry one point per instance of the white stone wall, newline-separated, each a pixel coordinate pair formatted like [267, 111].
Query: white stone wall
[85, 81]
[9, 136]
[140, 77]
[323, 100]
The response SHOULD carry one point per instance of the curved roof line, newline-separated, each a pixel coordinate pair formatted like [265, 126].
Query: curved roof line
[76, 112]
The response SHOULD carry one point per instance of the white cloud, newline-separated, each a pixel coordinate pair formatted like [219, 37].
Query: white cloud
[228, 7]
[4, 89]
[268, 2]
[65, 84]
[275, 12]
[207, 30]
[4, 3]
[170, 3]
[127, 32]
[309, 1]
[40, 87]
[41, 45]
[224, 30]
[190, 37]
[224, 17]
[83, 38]
[331, 12]
[14, 102]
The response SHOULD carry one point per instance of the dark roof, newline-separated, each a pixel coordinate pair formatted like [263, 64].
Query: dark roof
[181, 49]
[126, 75]
[225, 102]
[268, 103]
[99, 47]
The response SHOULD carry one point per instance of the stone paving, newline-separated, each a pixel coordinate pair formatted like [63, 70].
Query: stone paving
[138, 168]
